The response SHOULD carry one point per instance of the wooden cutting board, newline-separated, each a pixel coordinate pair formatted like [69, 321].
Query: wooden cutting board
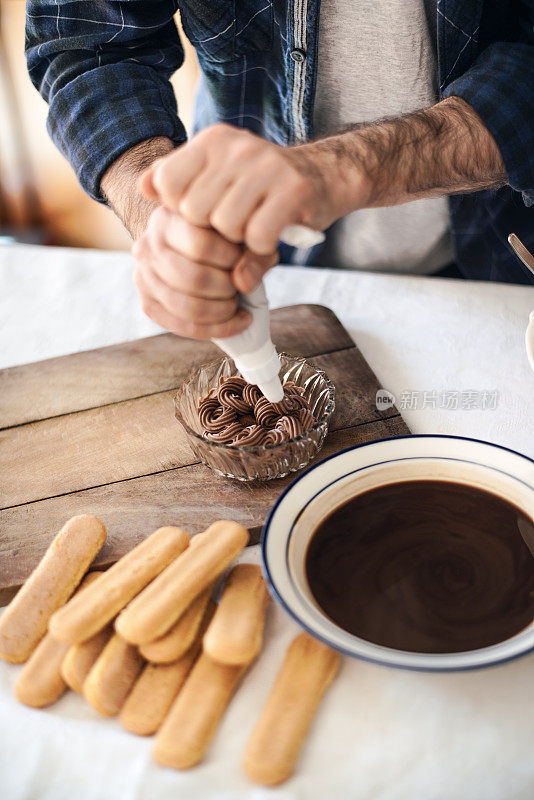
[95, 432]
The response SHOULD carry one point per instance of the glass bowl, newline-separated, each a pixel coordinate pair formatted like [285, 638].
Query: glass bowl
[257, 462]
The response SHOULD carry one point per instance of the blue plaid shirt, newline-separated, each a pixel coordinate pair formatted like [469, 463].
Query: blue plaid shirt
[104, 69]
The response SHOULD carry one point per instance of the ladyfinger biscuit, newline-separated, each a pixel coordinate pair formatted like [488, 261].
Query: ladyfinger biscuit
[148, 703]
[184, 737]
[112, 676]
[80, 658]
[41, 683]
[24, 622]
[235, 633]
[157, 608]
[275, 743]
[181, 636]
[87, 613]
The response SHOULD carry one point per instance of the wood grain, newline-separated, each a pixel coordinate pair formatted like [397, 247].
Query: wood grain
[145, 366]
[132, 509]
[95, 433]
[137, 437]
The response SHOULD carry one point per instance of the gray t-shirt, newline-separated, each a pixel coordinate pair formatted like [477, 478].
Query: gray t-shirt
[377, 58]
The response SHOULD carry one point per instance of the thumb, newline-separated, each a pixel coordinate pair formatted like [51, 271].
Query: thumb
[146, 181]
[250, 269]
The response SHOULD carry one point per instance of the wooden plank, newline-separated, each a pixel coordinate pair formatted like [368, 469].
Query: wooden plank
[137, 437]
[91, 448]
[145, 366]
[132, 509]
[356, 387]
[104, 440]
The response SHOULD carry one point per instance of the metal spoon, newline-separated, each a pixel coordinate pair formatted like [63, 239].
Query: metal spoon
[521, 251]
[528, 260]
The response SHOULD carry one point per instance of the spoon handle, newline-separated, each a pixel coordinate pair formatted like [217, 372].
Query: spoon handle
[521, 252]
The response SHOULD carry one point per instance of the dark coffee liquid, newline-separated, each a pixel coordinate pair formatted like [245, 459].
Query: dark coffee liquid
[426, 566]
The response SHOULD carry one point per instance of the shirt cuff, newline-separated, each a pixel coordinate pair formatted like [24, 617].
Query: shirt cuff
[500, 90]
[104, 112]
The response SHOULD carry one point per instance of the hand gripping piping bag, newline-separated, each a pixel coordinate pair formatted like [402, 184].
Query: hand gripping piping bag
[252, 350]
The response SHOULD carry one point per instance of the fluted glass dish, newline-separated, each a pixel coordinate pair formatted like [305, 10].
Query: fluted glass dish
[257, 462]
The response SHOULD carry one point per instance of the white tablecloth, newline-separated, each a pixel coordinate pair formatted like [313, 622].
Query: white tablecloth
[381, 734]
[419, 334]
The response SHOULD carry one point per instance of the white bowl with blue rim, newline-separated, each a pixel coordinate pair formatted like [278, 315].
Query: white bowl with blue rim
[314, 494]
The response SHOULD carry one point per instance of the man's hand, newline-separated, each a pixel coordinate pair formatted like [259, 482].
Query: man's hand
[227, 188]
[187, 275]
[249, 189]
[246, 188]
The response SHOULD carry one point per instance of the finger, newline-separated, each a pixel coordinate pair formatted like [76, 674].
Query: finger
[250, 269]
[174, 173]
[142, 250]
[178, 271]
[138, 248]
[231, 215]
[146, 182]
[187, 307]
[153, 309]
[263, 230]
[203, 194]
[199, 244]
[189, 277]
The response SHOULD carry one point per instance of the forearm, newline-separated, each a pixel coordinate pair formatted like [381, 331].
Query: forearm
[445, 149]
[104, 70]
[120, 183]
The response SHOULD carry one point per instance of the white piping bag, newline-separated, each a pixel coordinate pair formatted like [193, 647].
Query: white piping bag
[253, 351]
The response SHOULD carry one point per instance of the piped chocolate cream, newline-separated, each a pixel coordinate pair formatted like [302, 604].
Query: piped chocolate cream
[237, 413]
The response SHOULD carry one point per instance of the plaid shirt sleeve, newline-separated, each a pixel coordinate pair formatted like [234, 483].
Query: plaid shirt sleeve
[104, 69]
[500, 87]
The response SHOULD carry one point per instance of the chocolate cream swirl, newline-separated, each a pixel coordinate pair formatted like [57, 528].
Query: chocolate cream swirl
[237, 413]
[267, 414]
[275, 436]
[251, 394]
[214, 417]
[291, 425]
[227, 435]
[231, 394]
[253, 434]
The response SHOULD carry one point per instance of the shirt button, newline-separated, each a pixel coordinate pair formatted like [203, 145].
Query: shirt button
[298, 55]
